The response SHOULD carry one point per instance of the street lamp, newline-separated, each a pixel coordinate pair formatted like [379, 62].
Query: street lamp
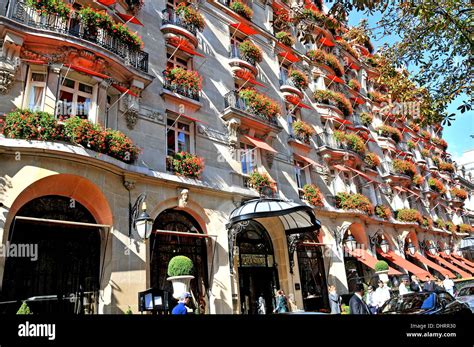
[411, 247]
[432, 248]
[140, 220]
[384, 245]
[350, 242]
[459, 252]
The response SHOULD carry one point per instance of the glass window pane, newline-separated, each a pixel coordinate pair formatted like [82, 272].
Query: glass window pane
[85, 88]
[38, 77]
[171, 142]
[183, 142]
[183, 126]
[36, 98]
[69, 83]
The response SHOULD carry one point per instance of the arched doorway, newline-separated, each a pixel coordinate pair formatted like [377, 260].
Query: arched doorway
[164, 246]
[65, 276]
[257, 268]
[312, 277]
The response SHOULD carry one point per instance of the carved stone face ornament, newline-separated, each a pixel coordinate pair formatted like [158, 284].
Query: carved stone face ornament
[183, 198]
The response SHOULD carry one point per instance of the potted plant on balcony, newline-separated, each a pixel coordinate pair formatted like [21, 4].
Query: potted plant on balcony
[409, 215]
[372, 160]
[436, 185]
[250, 51]
[381, 269]
[188, 165]
[303, 130]
[440, 142]
[425, 153]
[242, 9]
[190, 16]
[328, 97]
[299, 78]
[62, 9]
[285, 37]
[427, 222]
[418, 180]
[354, 85]
[186, 82]
[366, 118]
[415, 127]
[459, 193]
[260, 182]
[465, 228]
[180, 272]
[348, 201]
[383, 211]
[259, 104]
[444, 166]
[391, 132]
[377, 97]
[313, 195]
[440, 224]
[404, 167]
[425, 134]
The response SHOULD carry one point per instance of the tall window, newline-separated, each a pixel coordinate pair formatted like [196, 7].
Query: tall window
[293, 115]
[175, 60]
[235, 41]
[179, 135]
[75, 99]
[37, 91]
[248, 158]
[300, 173]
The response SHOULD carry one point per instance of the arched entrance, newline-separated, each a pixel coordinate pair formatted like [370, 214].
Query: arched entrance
[65, 276]
[164, 246]
[256, 266]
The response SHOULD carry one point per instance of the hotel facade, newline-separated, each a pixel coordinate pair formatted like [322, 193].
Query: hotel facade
[259, 133]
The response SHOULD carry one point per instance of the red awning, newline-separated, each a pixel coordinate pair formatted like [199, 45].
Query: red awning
[87, 71]
[279, 8]
[470, 263]
[248, 77]
[405, 264]
[326, 42]
[341, 168]
[297, 102]
[129, 18]
[34, 62]
[260, 144]
[358, 100]
[364, 257]
[353, 66]
[447, 264]
[184, 45]
[244, 28]
[124, 90]
[434, 266]
[361, 174]
[308, 160]
[195, 120]
[289, 56]
[458, 263]
[106, 2]
[335, 78]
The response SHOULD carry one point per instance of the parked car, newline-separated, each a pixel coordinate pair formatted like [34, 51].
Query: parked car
[466, 295]
[439, 302]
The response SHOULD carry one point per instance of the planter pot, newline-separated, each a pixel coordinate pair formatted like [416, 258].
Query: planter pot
[383, 276]
[180, 284]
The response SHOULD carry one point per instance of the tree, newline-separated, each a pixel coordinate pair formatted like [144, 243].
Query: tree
[435, 36]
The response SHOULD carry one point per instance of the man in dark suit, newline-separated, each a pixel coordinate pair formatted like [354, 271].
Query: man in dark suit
[429, 285]
[356, 304]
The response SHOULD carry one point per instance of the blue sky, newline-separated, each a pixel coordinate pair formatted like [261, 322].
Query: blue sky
[458, 134]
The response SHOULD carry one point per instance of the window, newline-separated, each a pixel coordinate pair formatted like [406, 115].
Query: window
[37, 91]
[300, 173]
[75, 99]
[248, 158]
[294, 114]
[235, 40]
[179, 135]
[175, 60]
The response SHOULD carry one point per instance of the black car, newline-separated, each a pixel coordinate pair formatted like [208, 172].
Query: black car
[424, 303]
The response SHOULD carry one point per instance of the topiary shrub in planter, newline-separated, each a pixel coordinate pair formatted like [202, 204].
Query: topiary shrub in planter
[24, 309]
[180, 272]
[381, 269]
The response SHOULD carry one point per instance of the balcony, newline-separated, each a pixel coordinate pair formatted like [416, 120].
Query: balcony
[74, 30]
[389, 172]
[179, 93]
[239, 61]
[336, 152]
[237, 107]
[358, 124]
[172, 24]
[288, 86]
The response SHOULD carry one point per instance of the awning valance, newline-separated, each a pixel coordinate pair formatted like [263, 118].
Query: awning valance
[122, 89]
[129, 18]
[364, 257]
[87, 71]
[308, 160]
[297, 102]
[289, 56]
[433, 265]
[470, 263]
[259, 143]
[295, 217]
[405, 264]
[450, 266]
[244, 28]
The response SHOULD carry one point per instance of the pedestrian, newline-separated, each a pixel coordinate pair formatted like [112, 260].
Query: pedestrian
[335, 300]
[429, 285]
[415, 284]
[281, 302]
[382, 294]
[356, 304]
[404, 287]
[292, 303]
[370, 300]
[262, 305]
[448, 285]
[181, 307]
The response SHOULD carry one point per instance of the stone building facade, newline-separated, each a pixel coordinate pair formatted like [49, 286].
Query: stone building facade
[66, 66]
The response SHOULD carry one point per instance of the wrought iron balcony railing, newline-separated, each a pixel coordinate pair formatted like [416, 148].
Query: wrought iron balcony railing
[26, 15]
[236, 54]
[232, 99]
[179, 89]
[170, 17]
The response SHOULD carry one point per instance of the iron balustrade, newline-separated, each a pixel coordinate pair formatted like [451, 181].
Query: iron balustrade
[326, 139]
[232, 99]
[236, 54]
[179, 89]
[285, 80]
[75, 27]
[171, 17]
